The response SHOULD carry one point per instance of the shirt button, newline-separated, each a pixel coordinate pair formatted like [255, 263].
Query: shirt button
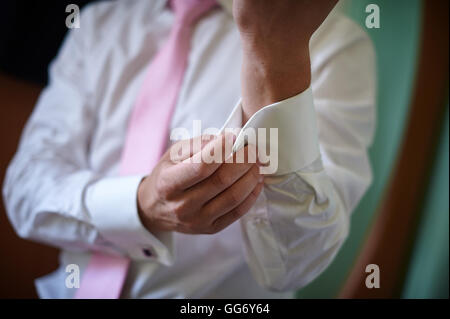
[147, 252]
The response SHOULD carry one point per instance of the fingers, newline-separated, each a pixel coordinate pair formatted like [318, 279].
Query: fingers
[197, 167]
[239, 211]
[184, 149]
[225, 176]
[232, 196]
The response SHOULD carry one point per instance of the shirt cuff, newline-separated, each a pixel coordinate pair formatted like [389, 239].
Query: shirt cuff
[294, 120]
[112, 205]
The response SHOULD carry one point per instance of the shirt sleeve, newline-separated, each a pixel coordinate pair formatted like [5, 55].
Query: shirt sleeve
[302, 217]
[51, 193]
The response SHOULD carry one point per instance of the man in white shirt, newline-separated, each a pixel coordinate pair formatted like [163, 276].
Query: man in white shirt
[316, 86]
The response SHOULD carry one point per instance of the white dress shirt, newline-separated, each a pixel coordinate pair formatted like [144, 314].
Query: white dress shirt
[63, 188]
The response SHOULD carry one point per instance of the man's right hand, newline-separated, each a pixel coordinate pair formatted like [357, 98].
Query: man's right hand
[194, 197]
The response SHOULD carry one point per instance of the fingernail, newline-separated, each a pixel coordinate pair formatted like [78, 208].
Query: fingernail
[261, 178]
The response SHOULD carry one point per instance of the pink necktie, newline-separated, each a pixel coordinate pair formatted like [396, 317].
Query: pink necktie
[148, 134]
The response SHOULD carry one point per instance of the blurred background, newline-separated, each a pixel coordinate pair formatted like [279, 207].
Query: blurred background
[402, 223]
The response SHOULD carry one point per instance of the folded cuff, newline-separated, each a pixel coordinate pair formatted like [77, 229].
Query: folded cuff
[112, 204]
[287, 128]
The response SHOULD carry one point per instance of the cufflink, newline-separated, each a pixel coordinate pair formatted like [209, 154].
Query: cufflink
[147, 252]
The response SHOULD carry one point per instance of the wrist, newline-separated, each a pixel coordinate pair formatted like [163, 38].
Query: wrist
[140, 205]
[266, 80]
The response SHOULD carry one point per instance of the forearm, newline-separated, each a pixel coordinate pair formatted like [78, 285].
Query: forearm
[275, 38]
